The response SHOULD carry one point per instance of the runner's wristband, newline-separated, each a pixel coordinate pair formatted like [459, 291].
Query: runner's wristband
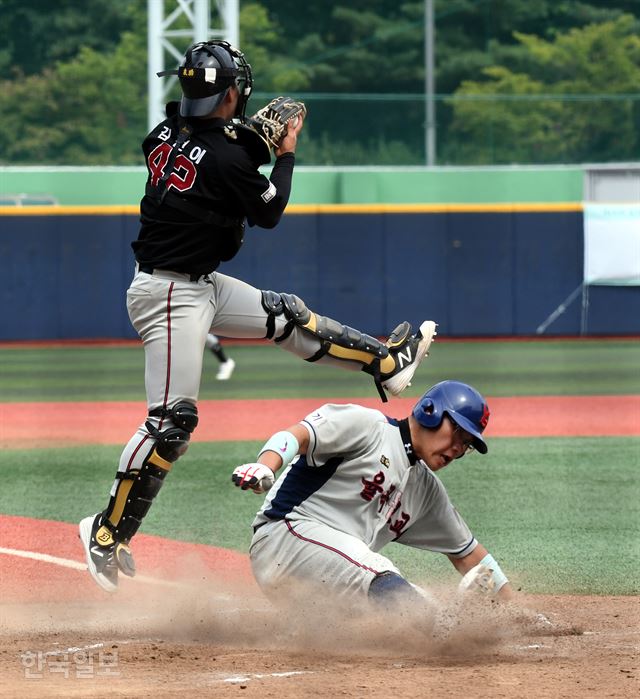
[284, 444]
[499, 578]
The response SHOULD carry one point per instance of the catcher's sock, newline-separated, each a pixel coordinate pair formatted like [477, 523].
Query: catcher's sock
[104, 555]
[213, 345]
[407, 351]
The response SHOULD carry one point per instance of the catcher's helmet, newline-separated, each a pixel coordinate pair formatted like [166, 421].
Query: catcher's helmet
[207, 71]
[461, 402]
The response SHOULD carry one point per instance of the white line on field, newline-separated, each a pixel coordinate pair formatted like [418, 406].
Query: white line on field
[76, 565]
[116, 641]
[259, 676]
[628, 632]
[44, 558]
[531, 646]
[74, 649]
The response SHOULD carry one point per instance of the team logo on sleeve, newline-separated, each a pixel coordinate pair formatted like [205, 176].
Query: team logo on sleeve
[230, 132]
[268, 195]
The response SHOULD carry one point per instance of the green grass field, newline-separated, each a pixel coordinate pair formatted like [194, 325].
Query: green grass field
[509, 368]
[561, 514]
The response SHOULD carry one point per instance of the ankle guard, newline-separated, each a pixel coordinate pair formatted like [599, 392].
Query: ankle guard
[336, 340]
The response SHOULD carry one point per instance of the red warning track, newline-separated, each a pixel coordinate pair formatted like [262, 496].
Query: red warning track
[24, 425]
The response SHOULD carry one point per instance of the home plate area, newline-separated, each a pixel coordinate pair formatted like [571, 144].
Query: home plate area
[196, 623]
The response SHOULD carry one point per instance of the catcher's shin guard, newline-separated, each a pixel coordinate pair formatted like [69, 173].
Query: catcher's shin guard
[138, 488]
[392, 364]
[134, 495]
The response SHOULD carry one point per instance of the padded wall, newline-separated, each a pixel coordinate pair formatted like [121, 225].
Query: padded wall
[477, 274]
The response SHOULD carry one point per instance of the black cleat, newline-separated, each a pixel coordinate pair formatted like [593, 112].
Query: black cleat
[408, 351]
[104, 555]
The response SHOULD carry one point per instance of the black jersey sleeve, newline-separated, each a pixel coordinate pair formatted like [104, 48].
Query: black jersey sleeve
[262, 199]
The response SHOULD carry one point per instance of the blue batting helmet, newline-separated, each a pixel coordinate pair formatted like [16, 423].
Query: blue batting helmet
[459, 401]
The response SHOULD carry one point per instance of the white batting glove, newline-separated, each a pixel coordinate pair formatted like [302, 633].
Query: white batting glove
[256, 477]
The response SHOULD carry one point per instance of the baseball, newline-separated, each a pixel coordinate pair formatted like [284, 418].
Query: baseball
[293, 122]
[266, 484]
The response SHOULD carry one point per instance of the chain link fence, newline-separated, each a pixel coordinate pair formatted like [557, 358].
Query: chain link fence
[391, 129]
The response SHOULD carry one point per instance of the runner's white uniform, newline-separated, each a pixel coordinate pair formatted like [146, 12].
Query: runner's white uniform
[358, 487]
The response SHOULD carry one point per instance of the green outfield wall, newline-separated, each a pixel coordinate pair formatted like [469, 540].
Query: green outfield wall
[123, 186]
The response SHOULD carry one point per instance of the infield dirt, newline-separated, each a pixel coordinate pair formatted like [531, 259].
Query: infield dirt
[196, 625]
[212, 642]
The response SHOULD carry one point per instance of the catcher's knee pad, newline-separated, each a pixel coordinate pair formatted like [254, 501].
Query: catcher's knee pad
[173, 442]
[337, 340]
[183, 415]
[289, 305]
[138, 488]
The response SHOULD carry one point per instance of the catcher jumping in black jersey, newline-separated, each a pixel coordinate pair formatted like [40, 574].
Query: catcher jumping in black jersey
[203, 184]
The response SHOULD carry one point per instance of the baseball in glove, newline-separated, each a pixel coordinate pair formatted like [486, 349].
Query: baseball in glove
[271, 121]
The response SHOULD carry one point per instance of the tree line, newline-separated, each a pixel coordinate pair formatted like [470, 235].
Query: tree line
[517, 81]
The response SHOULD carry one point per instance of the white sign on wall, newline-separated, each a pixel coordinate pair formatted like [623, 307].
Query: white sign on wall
[612, 244]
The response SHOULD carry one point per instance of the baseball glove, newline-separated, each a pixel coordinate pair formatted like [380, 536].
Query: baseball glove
[271, 121]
